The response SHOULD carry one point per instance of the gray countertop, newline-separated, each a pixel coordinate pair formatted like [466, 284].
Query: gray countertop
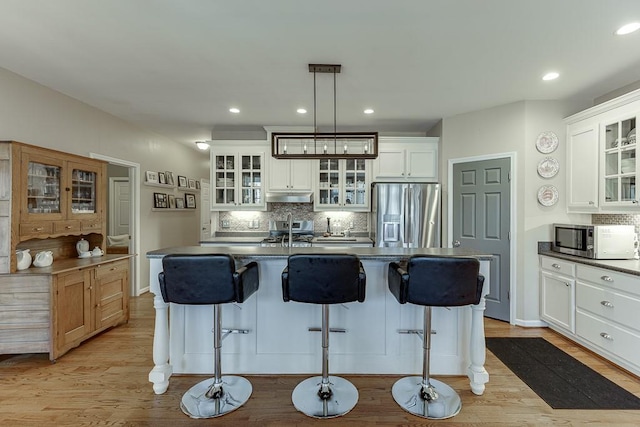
[365, 253]
[629, 266]
[257, 238]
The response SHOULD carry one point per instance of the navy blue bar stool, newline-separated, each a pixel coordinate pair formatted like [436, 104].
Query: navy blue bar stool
[324, 279]
[432, 282]
[210, 279]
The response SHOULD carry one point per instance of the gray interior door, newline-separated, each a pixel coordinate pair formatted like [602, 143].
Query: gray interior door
[482, 220]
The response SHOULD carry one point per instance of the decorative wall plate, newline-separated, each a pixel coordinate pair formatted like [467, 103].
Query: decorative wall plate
[547, 142]
[548, 167]
[548, 195]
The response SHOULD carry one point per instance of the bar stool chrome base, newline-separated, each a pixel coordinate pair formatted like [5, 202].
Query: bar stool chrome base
[406, 393]
[344, 396]
[235, 393]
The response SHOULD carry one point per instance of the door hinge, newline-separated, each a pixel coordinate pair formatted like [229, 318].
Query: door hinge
[508, 295]
[509, 236]
[509, 176]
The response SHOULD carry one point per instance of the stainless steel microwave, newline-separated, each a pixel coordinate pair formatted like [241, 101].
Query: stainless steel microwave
[595, 241]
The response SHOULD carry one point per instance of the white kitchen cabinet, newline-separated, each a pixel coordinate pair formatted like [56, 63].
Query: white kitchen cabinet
[406, 159]
[607, 306]
[342, 184]
[237, 175]
[557, 293]
[582, 167]
[596, 307]
[616, 165]
[290, 174]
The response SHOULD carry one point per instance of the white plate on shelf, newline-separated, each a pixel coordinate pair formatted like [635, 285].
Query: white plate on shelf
[547, 142]
[548, 195]
[548, 167]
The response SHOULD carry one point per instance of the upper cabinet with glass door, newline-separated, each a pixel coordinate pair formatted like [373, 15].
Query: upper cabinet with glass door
[619, 167]
[237, 178]
[343, 184]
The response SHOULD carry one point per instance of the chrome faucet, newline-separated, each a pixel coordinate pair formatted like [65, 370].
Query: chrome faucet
[290, 219]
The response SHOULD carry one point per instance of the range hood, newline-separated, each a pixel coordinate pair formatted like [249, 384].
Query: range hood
[289, 197]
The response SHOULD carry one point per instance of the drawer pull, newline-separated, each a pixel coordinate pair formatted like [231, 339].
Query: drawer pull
[68, 227]
[113, 268]
[554, 265]
[607, 278]
[606, 304]
[606, 336]
[39, 228]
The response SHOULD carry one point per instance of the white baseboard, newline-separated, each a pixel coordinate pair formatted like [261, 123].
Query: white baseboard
[531, 323]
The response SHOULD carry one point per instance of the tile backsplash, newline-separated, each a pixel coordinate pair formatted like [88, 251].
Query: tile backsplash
[622, 219]
[240, 221]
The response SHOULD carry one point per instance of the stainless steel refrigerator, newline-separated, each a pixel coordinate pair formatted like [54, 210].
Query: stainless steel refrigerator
[406, 215]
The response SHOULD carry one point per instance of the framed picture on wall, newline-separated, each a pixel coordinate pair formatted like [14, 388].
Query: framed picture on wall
[179, 203]
[151, 177]
[190, 200]
[162, 179]
[159, 200]
[182, 181]
[172, 201]
[170, 178]
[192, 184]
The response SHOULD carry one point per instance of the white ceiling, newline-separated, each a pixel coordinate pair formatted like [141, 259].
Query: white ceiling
[175, 67]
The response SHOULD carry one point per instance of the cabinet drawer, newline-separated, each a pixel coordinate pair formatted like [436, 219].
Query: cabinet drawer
[558, 266]
[36, 228]
[115, 268]
[608, 304]
[60, 227]
[91, 225]
[613, 339]
[610, 279]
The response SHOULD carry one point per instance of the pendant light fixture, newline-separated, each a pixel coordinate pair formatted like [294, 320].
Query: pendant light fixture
[316, 145]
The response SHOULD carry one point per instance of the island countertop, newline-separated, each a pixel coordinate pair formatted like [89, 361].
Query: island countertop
[365, 253]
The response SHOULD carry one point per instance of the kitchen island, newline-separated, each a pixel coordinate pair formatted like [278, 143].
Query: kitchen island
[284, 338]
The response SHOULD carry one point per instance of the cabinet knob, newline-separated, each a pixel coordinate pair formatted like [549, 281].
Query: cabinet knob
[607, 278]
[591, 202]
[567, 284]
[606, 336]
[68, 227]
[554, 265]
[606, 304]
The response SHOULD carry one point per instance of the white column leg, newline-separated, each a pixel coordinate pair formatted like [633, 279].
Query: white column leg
[162, 370]
[476, 372]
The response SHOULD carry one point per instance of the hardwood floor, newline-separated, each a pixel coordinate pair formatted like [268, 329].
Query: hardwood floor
[105, 382]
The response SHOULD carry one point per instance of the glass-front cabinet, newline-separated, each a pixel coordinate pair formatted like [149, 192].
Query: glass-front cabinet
[59, 189]
[619, 162]
[237, 181]
[342, 185]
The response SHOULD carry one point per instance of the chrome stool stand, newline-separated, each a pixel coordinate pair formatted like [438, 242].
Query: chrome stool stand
[219, 395]
[423, 396]
[325, 396]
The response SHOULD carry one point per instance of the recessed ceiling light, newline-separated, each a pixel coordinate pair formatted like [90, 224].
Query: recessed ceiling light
[629, 28]
[369, 111]
[301, 111]
[234, 110]
[551, 76]
[203, 145]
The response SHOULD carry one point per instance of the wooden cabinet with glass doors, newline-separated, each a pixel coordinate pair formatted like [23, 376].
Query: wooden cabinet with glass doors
[343, 184]
[620, 165]
[61, 193]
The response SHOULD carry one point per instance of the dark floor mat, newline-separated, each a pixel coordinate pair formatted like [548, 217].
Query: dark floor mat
[559, 379]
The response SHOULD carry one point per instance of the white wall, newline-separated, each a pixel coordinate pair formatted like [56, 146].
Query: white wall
[34, 114]
[513, 128]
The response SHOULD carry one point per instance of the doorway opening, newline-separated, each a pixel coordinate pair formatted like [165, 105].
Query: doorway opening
[481, 216]
[130, 172]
